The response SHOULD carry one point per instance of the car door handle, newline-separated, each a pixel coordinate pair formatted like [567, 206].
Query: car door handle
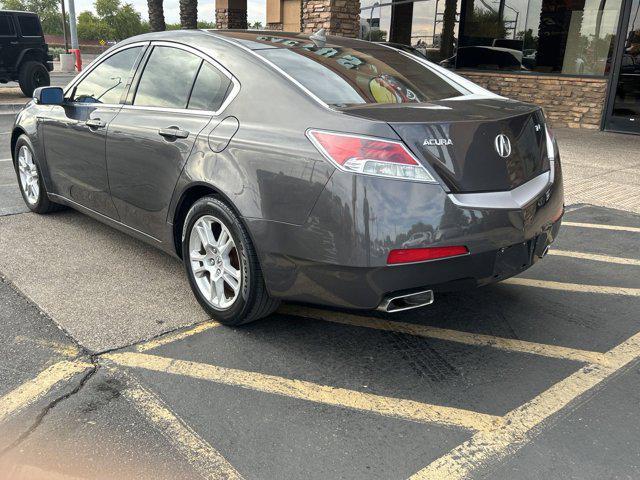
[95, 123]
[173, 132]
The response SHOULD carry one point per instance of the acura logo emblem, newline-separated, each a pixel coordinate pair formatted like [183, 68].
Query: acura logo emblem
[503, 145]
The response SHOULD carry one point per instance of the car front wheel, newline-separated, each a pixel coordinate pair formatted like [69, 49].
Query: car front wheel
[222, 265]
[29, 176]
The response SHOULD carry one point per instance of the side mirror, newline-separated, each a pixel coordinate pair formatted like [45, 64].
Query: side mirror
[48, 96]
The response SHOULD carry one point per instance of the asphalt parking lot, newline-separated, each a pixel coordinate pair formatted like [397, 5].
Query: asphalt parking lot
[109, 369]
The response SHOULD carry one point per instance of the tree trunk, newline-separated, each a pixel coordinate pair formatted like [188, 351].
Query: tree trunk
[189, 13]
[156, 15]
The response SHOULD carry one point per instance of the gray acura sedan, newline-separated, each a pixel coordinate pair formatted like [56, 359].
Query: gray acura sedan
[285, 166]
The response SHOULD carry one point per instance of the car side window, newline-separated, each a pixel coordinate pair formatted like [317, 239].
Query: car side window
[210, 89]
[106, 82]
[29, 26]
[6, 26]
[167, 78]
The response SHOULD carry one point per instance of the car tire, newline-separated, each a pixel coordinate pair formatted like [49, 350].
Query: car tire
[32, 75]
[208, 257]
[28, 172]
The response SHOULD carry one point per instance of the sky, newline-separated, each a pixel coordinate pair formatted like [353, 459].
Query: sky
[256, 9]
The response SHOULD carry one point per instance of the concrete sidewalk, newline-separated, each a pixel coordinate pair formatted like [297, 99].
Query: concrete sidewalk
[600, 168]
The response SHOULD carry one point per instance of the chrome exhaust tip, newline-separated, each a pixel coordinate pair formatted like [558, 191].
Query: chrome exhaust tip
[399, 303]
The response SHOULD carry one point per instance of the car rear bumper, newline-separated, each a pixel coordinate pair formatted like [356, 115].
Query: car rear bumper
[338, 257]
[366, 288]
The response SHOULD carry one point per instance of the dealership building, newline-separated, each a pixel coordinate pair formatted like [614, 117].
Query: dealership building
[579, 59]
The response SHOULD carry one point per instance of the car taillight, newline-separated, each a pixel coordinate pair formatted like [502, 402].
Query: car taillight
[551, 151]
[369, 156]
[410, 255]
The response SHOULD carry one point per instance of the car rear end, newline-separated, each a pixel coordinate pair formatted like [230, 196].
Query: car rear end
[476, 176]
[472, 236]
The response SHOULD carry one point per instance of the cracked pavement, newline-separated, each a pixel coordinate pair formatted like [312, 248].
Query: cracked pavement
[72, 428]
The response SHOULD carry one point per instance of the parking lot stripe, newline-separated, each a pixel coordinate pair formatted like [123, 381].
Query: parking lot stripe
[34, 389]
[65, 350]
[175, 336]
[304, 390]
[574, 287]
[207, 461]
[457, 336]
[602, 226]
[595, 257]
[520, 424]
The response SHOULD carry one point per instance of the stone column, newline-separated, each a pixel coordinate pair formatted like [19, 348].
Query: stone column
[231, 14]
[337, 17]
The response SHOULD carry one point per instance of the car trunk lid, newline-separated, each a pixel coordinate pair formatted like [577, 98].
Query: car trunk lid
[474, 144]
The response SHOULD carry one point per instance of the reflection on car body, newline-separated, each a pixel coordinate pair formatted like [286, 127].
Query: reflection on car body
[418, 239]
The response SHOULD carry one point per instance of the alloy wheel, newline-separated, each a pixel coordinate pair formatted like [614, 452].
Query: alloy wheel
[215, 262]
[28, 172]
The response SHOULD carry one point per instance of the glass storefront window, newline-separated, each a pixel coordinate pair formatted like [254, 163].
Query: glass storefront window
[430, 27]
[375, 21]
[572, 37]
[434, 29]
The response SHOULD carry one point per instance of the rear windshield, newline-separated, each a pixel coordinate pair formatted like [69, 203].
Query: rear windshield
[343, 76]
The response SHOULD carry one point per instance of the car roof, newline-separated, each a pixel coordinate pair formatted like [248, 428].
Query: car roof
[252, 39]
[266, 39]
[19, 11]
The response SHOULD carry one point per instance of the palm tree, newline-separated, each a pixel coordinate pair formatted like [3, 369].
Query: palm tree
[156, 15]
[189, 13]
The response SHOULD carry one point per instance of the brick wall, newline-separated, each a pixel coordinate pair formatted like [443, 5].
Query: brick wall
[567, 101]
[337, 17]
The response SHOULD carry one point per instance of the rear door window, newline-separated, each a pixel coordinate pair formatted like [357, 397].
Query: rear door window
[168, 78]
[6, 26]
[29, 26]
[343, 76]
[210, 89]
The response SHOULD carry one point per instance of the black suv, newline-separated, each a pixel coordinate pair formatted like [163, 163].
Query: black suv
[24, 55]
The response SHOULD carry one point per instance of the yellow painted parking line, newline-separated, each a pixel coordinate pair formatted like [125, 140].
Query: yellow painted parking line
[313, 392]
[65, 350]
[595, 257]
[518, 428]
[602, 226]
[456, 336]
[174, 337]
[34, 389]
[574, 287]
[205, 459]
